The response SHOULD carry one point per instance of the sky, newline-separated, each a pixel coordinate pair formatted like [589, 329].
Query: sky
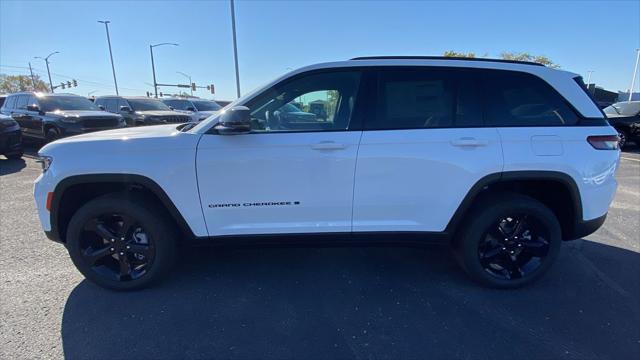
[275, 37]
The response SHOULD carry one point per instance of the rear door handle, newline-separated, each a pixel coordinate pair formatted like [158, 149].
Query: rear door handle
[469, 142]
[328, 145]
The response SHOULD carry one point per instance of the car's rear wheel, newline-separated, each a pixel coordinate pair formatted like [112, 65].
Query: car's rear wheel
[508, 240]
[117, 243]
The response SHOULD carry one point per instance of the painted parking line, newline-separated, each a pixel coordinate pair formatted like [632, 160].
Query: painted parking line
[630, 159]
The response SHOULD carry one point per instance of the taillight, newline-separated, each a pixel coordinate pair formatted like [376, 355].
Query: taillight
[604, 142]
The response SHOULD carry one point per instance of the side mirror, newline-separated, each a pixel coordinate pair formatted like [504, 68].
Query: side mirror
[33, 107]
[101, 107]
[171, 107]
[191, 108]
[234, 121]
[125, 109]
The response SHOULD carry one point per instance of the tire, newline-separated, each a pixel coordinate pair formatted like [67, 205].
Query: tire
[624, 137]
[51, 134]
[148, 247]
[495, 256]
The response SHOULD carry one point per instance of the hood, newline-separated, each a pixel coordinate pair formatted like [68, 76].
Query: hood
[123, 134]
[83, 113]
[160, 113]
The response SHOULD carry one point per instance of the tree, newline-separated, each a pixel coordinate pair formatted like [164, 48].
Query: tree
[523, 56]
[451, 53]
[16, 83]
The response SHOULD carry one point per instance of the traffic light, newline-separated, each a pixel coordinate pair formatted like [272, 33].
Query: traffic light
[211, 88]
[148, 94]
[62, 85]
[75, 83]
[69, 84]
[161, 94]
[193, 86]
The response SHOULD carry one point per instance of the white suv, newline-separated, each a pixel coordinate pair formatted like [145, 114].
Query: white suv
[502, 159]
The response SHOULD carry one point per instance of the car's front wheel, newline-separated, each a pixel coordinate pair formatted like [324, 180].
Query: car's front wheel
[508, 240]
[117, 243]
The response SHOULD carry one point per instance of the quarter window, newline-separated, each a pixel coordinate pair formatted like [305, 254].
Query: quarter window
[519, 99]
[316, 102]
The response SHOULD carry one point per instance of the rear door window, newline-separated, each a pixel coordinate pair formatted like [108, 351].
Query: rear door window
[422, 98]
[520, 99]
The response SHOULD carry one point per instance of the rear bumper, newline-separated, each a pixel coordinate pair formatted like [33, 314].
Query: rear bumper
[587, 227]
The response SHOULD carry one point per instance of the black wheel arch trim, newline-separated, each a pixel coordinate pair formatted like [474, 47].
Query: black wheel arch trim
[525, 175]
[125, 179]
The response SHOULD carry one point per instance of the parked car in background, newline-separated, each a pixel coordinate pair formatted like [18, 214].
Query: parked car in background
[198, 109]
[10, 138]
[223, 103]
[624, 116]
[140, 110]
[52, 116]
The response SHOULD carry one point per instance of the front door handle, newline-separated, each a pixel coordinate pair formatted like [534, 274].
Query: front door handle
[469, 142]
[328, 145]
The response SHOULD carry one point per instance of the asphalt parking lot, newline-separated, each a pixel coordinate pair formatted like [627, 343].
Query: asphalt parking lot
[308, 303]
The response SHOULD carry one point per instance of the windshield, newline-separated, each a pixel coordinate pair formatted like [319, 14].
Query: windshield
[146, 104]
[53, 103]
[207, 105]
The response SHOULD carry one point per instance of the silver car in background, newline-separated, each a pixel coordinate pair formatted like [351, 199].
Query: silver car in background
[198, 109]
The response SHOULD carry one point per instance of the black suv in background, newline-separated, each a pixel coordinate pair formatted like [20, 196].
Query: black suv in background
[51, 116]
[140, 110]
[624, 116]
[10, 138]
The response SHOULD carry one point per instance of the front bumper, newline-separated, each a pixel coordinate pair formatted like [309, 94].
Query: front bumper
[11, 142]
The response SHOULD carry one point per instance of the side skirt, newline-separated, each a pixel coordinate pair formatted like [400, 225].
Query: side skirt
[326, 240]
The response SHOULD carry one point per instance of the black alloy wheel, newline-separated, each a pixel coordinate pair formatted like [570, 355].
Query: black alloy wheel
[508, 240]
[117, 247]
[514, 247]
[122, 241]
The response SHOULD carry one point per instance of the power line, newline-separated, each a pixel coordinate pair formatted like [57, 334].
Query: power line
[42, 71]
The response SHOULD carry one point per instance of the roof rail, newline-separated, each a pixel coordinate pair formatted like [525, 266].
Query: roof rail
[444, 58]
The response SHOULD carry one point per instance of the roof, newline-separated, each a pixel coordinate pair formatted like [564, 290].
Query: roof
[445, 58]
[41, 94]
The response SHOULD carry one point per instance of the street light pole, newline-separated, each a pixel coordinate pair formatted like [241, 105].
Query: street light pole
[589, 79]
[188, 77]
[113, 68]
[635, 74]
[46, 60]
[153, 66]
[235, 46]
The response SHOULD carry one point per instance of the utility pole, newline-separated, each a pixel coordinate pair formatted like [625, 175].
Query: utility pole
[635, 74]
[46, 60]
[33, 79]
[235, 46]
[113, 68]
[153, 66]
[188, 77]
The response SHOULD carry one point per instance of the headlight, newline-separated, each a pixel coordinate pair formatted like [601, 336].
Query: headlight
[45, 162]
[7, 123]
